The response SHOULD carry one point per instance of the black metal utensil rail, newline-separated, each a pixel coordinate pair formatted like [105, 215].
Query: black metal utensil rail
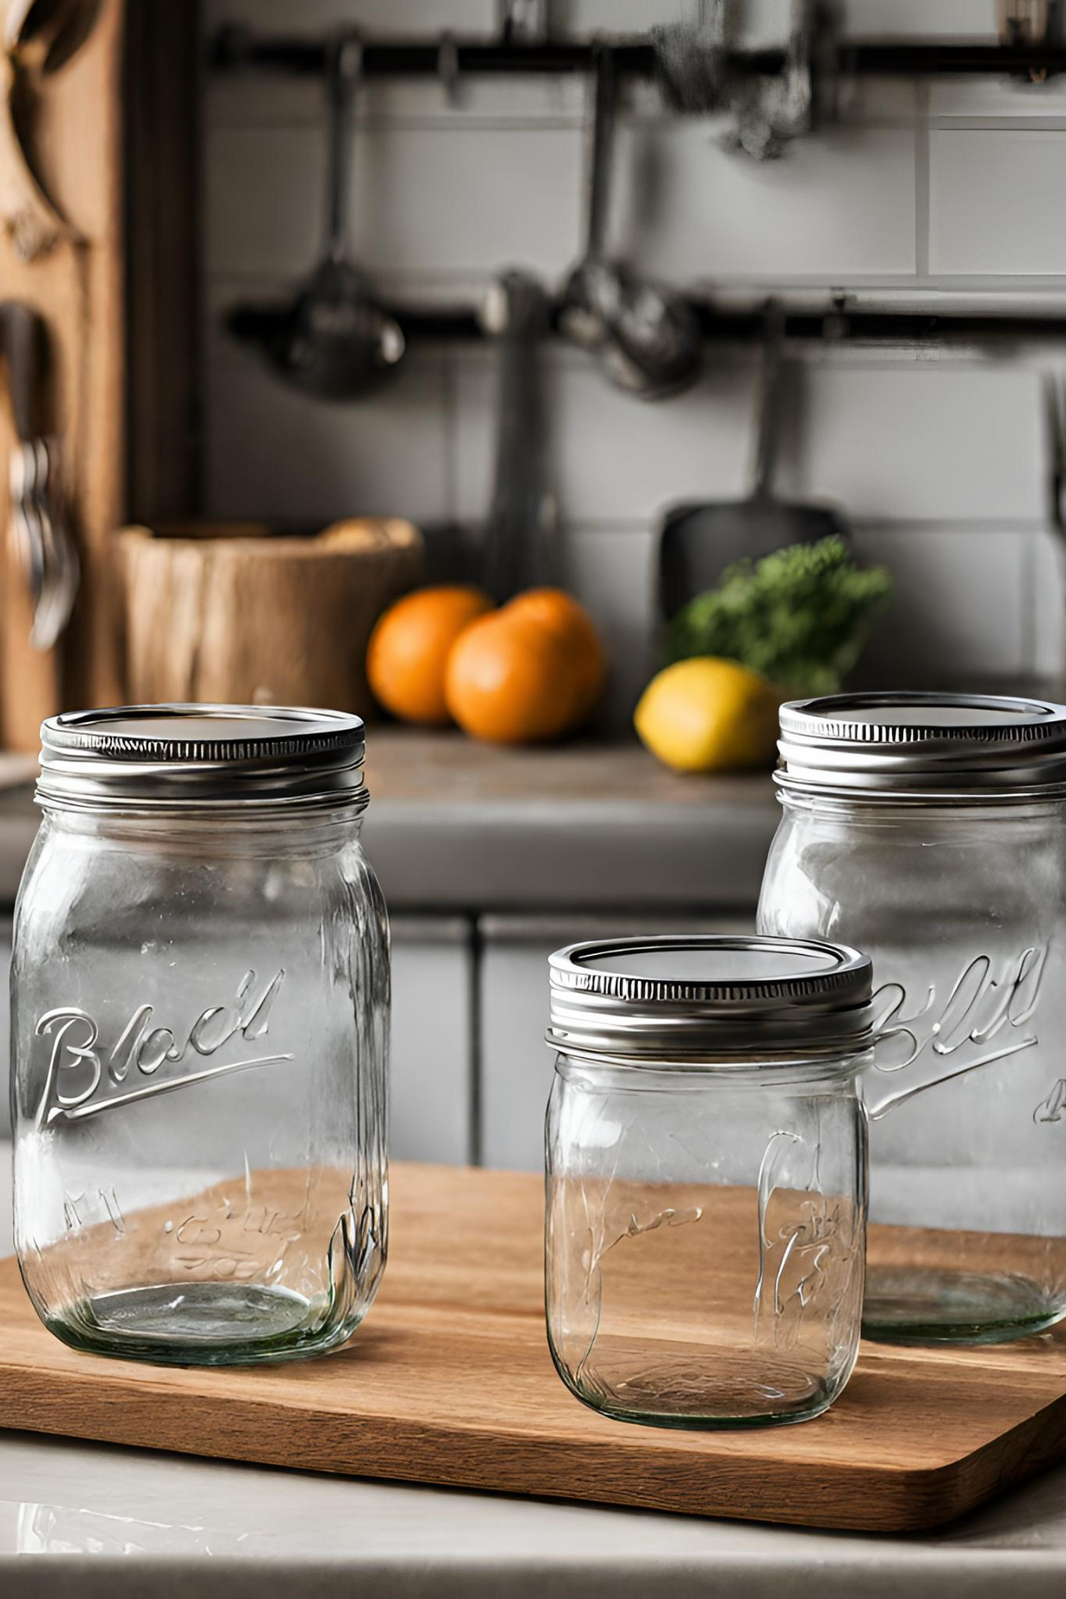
[258, 324]
[234, 48]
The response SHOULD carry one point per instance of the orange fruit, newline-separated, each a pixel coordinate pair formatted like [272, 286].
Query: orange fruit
[559, 611]
[408, 650]
[528, 672]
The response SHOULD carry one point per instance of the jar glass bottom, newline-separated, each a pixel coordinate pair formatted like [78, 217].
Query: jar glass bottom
[928, 1305]
[201, 1324]
[676, 1385]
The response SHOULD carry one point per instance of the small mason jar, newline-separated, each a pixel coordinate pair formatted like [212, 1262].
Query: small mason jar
[930, 829]
[200, 991]
[706, 1177]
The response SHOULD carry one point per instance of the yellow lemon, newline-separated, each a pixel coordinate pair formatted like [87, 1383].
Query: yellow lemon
[709, 715]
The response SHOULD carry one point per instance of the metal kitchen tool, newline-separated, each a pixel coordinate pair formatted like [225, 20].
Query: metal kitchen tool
[518, 551]
[698, 542]
[42, 539]
[336, 341]
[647, 338]
[770, 113]
[763, 112]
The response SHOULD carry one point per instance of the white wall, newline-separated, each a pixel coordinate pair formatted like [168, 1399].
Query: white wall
[952, 187]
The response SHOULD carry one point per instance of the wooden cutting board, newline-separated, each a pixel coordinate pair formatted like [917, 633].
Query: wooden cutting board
[449, 1381]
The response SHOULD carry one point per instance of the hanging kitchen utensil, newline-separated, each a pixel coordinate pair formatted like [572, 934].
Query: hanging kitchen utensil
[768, 113]
[761, 112]
[698, 542]
[647, 339]
[518, 551]
[335, 341]
[45, 549]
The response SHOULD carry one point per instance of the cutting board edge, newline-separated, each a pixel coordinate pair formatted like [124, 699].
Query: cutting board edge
[907, 1499]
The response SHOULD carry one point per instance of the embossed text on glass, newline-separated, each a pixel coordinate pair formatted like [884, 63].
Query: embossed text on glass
[986, 1016]
[84, 1076]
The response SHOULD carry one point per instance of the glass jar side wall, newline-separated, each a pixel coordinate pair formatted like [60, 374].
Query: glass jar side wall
[704, 1242]
[199, 1016]
[962, 909]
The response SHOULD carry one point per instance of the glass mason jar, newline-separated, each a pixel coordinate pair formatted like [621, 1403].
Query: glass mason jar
[706, 1177]
[200, 991]
[931, 831]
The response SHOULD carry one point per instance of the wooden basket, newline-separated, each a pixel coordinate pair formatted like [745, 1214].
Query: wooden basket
[236, 615]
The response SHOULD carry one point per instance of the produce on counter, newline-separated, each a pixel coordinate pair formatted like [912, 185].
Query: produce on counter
[409, 647]
[709, 715]
[799, 617]
[532, 671]
[788, 626]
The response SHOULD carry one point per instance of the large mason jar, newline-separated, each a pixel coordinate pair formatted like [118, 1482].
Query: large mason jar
[706, 1177]
[200, 992]
[930, 830]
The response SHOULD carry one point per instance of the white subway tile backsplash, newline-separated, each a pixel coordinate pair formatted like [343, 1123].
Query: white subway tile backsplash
[393, 19]
[398, 18]
[995, 199]
[921, 442]
[266, 100]
[905, 442]
[956, 616]
[1011, 98]
[275, 454]
[763, 19]
[615, 459]
[947, 19]
[581, 17]
[426, 201]
[611, 570]
[938, 459]
[834, 207]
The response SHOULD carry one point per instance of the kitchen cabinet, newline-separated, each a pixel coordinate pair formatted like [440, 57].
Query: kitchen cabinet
[515, 1064]
[432, 1061]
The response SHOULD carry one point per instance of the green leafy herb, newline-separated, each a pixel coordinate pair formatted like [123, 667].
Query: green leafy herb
[799, 617]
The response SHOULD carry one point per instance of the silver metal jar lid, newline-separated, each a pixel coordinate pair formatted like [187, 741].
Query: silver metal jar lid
[690, 999]
[922, 742]
[186, 757]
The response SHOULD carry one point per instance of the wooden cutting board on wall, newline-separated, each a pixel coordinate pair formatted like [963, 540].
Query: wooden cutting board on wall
[77, 287]
[113, 143]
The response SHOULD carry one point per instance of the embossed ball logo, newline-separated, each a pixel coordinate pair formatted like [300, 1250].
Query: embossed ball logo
[85, 1076]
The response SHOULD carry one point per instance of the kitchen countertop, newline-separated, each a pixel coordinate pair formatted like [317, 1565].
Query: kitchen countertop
[101, 1522]
[455, 825]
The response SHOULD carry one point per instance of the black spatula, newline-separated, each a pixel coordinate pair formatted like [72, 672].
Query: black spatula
[698, 542]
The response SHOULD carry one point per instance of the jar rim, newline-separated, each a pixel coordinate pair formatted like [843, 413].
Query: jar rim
[694, 997]
[171, 759]
[923, 744]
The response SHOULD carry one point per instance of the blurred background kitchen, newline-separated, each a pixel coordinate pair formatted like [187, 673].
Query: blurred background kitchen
[830, 240]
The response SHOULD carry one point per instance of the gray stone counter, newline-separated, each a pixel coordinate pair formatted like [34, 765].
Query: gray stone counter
[455, 825]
